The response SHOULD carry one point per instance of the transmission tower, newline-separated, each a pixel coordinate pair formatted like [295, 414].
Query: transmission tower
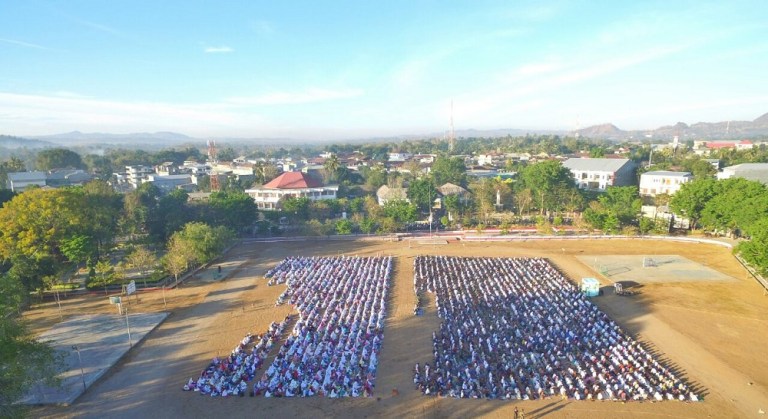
[212, 161]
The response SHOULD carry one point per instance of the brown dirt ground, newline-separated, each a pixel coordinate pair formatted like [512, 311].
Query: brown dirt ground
[712, 333]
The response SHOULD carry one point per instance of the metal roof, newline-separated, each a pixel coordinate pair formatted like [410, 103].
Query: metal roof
[596, 165]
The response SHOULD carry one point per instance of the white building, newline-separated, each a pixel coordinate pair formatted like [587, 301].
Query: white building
[19, 181]
[290, 184]
[662, 182]
[398, 157]
[168, 183]
[749, 171]
[598, 174]
[137, 174]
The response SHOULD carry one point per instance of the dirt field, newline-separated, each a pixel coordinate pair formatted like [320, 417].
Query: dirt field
[713, 333]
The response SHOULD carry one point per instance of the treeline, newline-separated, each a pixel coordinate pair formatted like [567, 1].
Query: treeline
[736, 207]
[44, 233]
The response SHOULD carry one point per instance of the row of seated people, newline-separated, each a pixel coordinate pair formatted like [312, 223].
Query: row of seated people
[518, 329]
[333, 350]
[230, 376]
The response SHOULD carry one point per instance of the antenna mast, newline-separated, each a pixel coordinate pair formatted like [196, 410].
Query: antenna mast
[452, 140]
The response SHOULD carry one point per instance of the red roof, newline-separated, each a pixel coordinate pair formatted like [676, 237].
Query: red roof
[293, 180]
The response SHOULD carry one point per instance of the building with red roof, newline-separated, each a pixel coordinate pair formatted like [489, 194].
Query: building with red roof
[290, 184]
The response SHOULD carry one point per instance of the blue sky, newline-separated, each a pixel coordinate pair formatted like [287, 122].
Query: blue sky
[352, 69]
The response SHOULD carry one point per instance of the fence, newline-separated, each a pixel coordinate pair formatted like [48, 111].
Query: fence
[760, 280]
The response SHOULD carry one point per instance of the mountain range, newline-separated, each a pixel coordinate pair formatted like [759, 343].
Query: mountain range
[700, 130]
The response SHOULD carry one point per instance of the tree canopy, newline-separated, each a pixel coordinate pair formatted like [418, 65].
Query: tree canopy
[58, 158]
[449, 169]
[549, 182]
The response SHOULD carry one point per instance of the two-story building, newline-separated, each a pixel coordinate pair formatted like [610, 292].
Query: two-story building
[598, 174]
[290, 184]
[662, 182]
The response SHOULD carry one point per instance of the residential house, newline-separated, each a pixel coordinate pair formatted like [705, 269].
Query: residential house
[449, 189]
[385, 194]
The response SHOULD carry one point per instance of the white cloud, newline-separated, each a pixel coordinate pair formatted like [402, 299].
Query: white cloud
[21, 43]
[291, 98]
[62, 113]
[218, 50]
[97, 26]
[262, 27]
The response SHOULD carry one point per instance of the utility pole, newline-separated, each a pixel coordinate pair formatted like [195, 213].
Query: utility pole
[80, 359]
[128, 326]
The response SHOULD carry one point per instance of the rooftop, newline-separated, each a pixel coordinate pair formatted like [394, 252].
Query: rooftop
[293, 180]
[601, 165]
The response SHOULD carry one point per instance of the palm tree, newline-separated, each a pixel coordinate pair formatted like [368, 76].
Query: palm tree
[332, 165]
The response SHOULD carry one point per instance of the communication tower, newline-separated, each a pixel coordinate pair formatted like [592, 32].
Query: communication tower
[212, 161]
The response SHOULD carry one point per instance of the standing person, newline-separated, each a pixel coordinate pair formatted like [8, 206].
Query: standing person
[516, 414]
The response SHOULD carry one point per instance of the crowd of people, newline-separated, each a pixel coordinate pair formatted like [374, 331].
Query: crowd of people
[230, 376]
[518, 329]
[333, 350]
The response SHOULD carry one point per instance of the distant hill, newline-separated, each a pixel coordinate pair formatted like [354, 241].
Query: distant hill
[699, 130]
[711, 130]
[8, 141]
[81, 138]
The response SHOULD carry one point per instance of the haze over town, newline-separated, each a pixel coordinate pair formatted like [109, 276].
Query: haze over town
[342, 70]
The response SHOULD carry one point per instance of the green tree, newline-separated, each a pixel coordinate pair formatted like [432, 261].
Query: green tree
[33, 227]
[173, 211]
[597, 152]
[401, 211]
[737, 205]
[548, 181]
[10, 166]
[700, 168]
[374, 178]
[143, 259]
[755, 250]
[449, 169]
[105, 275]
[690, 200]
[200, 242]
[178, 258]
[58, 158]
[422, 193]
[234, 210]
[296, 208]
[141, 211]
[79, 249]
[368, 225]
[344, 227]
[25, 360]
[264, 172]
[332, 166]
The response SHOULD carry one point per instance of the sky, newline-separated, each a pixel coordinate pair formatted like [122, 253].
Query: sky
[356, 69]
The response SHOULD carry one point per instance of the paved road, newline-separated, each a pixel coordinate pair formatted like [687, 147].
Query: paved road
[101, 340]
